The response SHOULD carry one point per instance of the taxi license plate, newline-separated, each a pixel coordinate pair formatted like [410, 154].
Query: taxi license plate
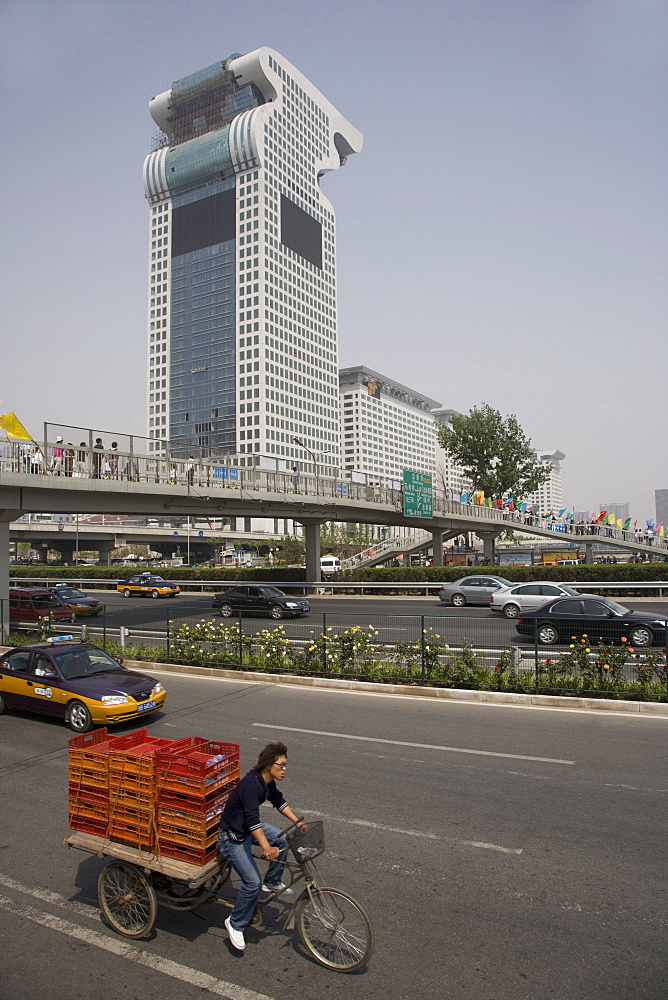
[146, 706]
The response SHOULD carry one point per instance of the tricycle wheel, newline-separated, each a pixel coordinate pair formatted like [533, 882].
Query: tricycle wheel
[177, 895]
[127, 899]
[256, 919]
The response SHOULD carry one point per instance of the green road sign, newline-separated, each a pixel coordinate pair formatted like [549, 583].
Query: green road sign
[418, 494]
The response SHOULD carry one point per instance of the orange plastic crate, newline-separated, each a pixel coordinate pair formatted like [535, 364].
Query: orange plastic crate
[200, 823]
[197, 803]
[195, 855]
[141, 797]
[131, 833]
[89, 810]
[86, 776]
[177, 833]
[97, 827]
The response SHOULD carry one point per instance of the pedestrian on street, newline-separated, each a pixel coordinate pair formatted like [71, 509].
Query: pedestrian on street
[98, 448]
[241, 829]
[190, 470]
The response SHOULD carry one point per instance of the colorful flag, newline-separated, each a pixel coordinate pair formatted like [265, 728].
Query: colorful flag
[635, 524]
[601, 517]
[464, 498]
[535, 509]
[627, 524]
[661, 532]
[498, 504]
[571, 515]
[619, 523]
[524, 508]
[13, 428]
[488, 502]
[611, 519]
[511, 505]
[561, 512]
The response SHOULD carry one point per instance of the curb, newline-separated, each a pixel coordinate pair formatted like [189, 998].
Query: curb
[648, 709]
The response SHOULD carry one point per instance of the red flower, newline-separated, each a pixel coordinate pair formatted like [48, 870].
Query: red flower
[548, 662]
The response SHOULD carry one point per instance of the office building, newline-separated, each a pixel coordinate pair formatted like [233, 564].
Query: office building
[387, 427]
[661, 506]
[549, 494]
[620, 511]
[242, 336]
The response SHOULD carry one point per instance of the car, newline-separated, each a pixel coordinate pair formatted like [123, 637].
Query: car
[522, 596]
[472, 590]
[569, 562]
[29, 604]
[260, 600]
[147, 585]
[596, 617]
[77, 601]
[77, 682]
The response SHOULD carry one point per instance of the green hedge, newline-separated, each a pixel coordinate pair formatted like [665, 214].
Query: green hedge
[116, 573]
[643, 572]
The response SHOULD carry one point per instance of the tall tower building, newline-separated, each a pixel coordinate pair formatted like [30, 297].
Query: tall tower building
[549, 493]
[242, 339]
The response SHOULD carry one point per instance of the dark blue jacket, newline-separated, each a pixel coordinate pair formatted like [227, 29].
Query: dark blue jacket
[241, 815]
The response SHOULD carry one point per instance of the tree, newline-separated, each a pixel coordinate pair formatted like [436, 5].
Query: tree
[494, 453]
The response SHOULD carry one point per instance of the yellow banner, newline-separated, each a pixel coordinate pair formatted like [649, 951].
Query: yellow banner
[13, 428]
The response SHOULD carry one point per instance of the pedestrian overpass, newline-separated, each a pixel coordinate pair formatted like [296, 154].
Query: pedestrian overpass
[148, 486]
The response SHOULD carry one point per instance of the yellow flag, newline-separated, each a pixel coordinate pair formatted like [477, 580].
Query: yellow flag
[13, 428]
[619, 522]
[661, 532]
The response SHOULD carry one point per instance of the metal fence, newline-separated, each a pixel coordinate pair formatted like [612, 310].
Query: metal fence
[455, 651]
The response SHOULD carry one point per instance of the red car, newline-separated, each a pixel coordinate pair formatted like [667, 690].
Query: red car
[29, 604]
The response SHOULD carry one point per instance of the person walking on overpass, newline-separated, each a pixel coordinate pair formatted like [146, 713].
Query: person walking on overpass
[241, 829]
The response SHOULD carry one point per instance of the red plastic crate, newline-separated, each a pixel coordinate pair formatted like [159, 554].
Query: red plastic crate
[85, 825]
[196, 787]
[78, 792]
[195, 855]
[201, 759]
[89, 777]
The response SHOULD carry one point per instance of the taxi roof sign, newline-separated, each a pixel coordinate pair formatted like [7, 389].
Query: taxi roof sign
[60, 638]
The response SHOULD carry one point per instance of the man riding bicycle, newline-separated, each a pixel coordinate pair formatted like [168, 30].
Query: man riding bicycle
[241, 828]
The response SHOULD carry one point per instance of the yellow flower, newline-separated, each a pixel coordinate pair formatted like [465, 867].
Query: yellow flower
[606, 666]
[571, 646]
[623, 639]
[587, 650]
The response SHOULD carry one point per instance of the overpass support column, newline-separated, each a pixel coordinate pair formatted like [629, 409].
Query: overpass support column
[6, 517]
[437, 536]
[489, 548]
[589, 553]
[312, 539]
[104, 550]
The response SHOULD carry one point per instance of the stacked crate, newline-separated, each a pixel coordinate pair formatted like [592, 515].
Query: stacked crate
[161, 795]
[194, 783]
[88, 804]
[133, 789]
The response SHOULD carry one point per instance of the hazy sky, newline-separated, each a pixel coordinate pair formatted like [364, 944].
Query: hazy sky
[501, 237]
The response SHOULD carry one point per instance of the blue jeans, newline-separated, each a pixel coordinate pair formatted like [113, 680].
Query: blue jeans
[238, 853]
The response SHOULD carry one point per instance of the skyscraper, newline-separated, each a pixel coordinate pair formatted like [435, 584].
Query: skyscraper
[242, 338]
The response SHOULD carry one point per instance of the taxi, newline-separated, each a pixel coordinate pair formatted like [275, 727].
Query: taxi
[147, 585]
[77, 682]
[78, 602]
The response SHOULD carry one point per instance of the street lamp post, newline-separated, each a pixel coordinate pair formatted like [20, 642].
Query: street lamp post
[314, 457]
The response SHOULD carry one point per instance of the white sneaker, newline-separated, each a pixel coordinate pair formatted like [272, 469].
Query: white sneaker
[236, 937]
[275, 888]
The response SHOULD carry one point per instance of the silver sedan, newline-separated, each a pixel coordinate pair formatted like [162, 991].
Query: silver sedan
[523, 596]
[472, 590]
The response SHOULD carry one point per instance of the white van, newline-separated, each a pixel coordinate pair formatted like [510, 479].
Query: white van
[568, 562]
[330, 564]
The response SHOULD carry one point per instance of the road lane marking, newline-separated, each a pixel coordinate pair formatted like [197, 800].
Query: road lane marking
[166, 966]
[414, 833]
[420, 746]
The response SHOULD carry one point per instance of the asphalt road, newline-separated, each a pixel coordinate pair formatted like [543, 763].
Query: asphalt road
[500, 852]
[396, 618]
